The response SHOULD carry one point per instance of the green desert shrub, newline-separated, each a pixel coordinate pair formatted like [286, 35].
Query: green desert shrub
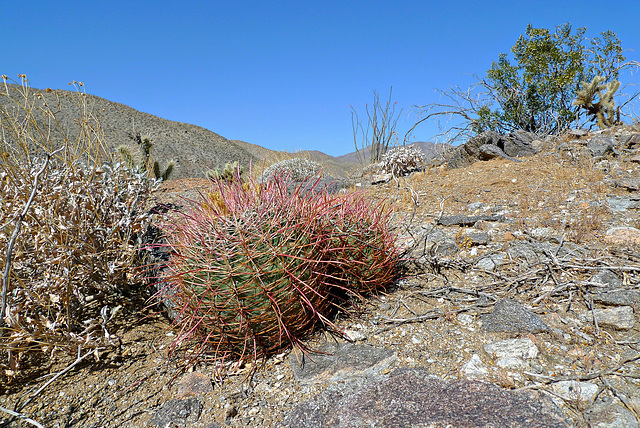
[534, 87]
[257, 269]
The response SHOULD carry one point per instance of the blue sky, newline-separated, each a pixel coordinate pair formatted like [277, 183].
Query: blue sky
[281, 74]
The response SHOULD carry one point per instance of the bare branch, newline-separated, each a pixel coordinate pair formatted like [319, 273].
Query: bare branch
[14, 236]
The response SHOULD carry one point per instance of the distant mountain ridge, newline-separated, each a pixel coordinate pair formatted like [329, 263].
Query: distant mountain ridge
[194, 149]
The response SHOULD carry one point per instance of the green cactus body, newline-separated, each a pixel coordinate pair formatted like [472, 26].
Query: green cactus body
[259, 268]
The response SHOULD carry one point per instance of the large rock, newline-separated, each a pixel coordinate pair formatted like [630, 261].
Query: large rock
[602, 145]
[510, 316]
[490, 144]
[337, 362]
[413, 398]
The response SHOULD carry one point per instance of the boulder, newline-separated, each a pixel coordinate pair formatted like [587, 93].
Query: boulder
[490, 144]
[414, 398]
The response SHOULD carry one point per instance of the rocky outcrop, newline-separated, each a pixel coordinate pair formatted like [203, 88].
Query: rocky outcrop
[490, 144]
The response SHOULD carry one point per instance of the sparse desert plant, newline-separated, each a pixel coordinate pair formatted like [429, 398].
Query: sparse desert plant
[402, 160]
[230, 171]
[257, 269]
[297, 169]
[145, 163]
[76, 243]
[380, 130]
[534, 87]
[596, 98]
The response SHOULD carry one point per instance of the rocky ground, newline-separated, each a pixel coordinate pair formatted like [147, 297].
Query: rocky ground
[518, 307]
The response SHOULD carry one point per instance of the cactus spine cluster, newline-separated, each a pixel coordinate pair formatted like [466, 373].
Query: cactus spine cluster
[604, 110]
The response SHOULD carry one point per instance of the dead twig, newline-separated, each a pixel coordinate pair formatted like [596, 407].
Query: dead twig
[590, 376]
[66, 370]
[21, 416]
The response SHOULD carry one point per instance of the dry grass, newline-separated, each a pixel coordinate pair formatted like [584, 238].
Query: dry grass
[562, 190]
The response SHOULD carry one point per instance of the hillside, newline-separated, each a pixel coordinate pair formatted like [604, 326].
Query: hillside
[193, 148]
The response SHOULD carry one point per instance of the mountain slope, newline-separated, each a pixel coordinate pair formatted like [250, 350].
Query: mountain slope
[193, 148]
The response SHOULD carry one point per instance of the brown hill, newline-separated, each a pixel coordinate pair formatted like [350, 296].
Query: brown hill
[194, 149]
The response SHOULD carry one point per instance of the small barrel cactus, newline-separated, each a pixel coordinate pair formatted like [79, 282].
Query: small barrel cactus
[260, 267]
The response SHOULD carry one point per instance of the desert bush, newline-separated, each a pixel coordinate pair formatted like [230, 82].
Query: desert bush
[76, 244]
[298, 169]
[402, 160]
[534, 88]
[257, 269]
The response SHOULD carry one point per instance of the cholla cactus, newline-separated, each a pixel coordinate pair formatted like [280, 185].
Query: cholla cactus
[145, 164]
[402, 160]
[297, 169]
[230, 171]
[604, 110]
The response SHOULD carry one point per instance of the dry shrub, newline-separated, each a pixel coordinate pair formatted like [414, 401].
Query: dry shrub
[76, 243]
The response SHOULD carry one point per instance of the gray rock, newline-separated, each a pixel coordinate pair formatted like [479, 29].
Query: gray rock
[469, 152]
[628, 184]
[574, 391]
[489, 145]
[541, 252]
[519, 143]
[618, 298]
[489, 151]
[620, 318]
[607, 278]
[611, 414]
[434, 242]
[602, 145]
[464, 220]
[479, 238]
[512, 363]
[341, 361]
[475, 206]
[511, 316]
[578, 132]
[474, 368]
[491, 262]
[177, 412]
[413, 398]
[617, 203]
[518, 348]
[613, 291]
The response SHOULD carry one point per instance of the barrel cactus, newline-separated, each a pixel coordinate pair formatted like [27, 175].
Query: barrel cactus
[259, 268]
